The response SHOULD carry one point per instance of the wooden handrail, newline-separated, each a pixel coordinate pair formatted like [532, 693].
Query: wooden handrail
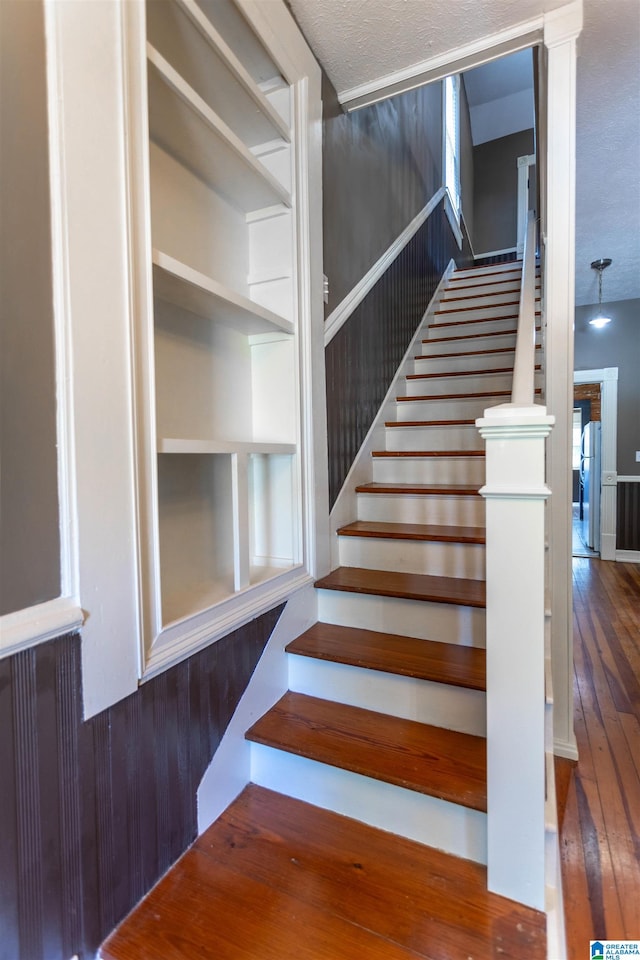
[522, 393]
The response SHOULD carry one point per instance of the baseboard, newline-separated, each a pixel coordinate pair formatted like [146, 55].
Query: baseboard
[344, 509]
[566, 749]
[339, 316]
[628, 556]
[496, 253]
[229, 771]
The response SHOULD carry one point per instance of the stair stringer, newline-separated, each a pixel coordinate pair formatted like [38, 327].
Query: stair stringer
[344, 509]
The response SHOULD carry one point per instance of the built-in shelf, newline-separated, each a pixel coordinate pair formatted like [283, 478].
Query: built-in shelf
[181, 123]
[187, 38]
[201, 596]
[184, 287]
[187, 445]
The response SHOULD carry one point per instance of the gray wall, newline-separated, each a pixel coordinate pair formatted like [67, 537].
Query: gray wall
[29, 551]
[496, 190]
[617, 345]
[381, 165]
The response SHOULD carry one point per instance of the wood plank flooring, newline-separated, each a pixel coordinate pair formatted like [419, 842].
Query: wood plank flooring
[600, 833]
[277, 879]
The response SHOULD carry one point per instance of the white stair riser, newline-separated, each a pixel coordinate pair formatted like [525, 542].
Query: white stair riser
[441, 559]
[465, 364]
[459, 409]
[496, 341]
[457, 315]
[455, 470]
[460, 301]
[465, 383]
[496, 271]
[471, 345]
[444, 622]
[394, 508]
[451, 437]
[481, 285]
[425, 701]
[427, 820]
[446, 327]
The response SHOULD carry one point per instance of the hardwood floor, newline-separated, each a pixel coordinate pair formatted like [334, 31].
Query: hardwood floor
[600, 833]
[277, 879]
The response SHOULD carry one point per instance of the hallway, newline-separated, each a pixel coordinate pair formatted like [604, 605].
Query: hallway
[600, 835]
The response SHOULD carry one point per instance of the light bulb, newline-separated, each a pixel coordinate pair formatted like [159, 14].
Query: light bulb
[599, 322]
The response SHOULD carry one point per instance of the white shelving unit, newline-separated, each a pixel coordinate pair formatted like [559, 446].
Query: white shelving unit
[224, 504]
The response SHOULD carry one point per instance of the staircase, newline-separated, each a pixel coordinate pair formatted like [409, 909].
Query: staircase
[384, 722]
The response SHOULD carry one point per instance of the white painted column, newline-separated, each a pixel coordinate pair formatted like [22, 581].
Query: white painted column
[561, 28]
[515, 494]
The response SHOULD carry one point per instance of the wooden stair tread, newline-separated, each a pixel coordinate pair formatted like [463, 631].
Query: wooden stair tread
[429, 423]
[202, 908]
[466, 353]
[449, 663]
[455, 396]
[433, 489]
[428, 453]
[407, 586]
[459, 396]
[431, 760]
[449, 323]
[420, 898]
[463, 373]
[442, 533]
[487, 306]
[473, 336]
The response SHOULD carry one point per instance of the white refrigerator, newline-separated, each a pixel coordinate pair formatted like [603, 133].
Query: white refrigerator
[590, 485]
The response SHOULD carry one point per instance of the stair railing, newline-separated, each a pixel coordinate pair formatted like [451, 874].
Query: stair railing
[515, 493]
[522, 392]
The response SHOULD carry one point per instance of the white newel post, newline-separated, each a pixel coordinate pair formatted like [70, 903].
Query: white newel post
[515, 493]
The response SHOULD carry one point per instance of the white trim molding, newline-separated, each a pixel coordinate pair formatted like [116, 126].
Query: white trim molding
[608, 380]
[561, 28]
[496, 253]
[339, 316]
[34, 625]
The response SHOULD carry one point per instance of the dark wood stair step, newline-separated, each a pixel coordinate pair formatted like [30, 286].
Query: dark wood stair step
[450, 323]
[428, 453]
[448, 663]
[460, 285]
[466, 353]
[459, 396]
[486, 306]
[406, 586]
[420, 489]
[382, 530]
[417, 756]
[429, 423]
[463, 373]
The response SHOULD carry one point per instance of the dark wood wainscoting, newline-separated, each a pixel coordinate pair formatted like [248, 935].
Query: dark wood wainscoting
[92, 814]
[363, 357]
[628, 520]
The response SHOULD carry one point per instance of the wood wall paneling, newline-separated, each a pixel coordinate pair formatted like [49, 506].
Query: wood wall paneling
[363, 357]
[628, 519]
[94, 813]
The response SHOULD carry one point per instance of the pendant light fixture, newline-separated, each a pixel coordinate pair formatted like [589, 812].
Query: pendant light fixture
[600, 320]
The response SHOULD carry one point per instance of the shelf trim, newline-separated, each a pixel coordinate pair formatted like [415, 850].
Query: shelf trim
[235, 67]
[216, 126]
[187, 445]
[218, 292]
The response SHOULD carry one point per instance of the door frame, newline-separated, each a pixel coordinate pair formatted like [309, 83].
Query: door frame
[608, 380]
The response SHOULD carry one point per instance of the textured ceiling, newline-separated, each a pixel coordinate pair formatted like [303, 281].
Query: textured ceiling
[360, 41]
[608, 150]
